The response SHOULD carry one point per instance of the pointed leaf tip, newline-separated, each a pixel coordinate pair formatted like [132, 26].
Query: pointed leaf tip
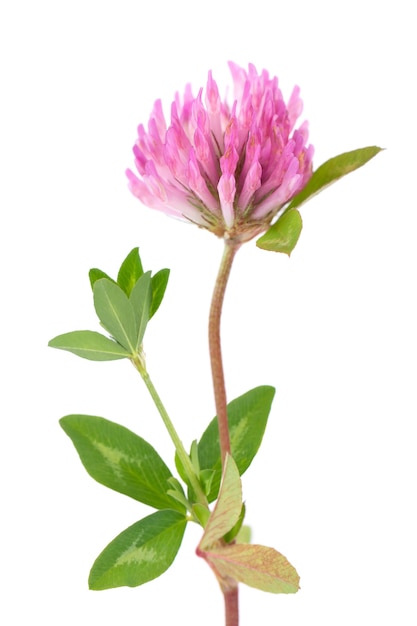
[159, 285]
[95, 274]
[130, 271]
[333, 169]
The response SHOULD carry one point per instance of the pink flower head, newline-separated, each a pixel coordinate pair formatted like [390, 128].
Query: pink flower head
[229, 169]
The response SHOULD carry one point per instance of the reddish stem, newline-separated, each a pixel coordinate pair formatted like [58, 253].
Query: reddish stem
[230, 593]
[231, 605]
[230, 250]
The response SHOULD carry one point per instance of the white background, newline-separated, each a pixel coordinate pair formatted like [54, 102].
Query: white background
[333, 328]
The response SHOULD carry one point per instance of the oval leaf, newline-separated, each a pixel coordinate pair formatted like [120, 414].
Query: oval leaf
[228, 507]
[115, 312]
[89, 345]
[247, 417]
[256, 566]
[130, 271]
[332, 170]
[140, 553]
[121, 460]
[284, 234]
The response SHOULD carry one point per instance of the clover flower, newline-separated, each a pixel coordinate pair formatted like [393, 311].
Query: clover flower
[229, 169]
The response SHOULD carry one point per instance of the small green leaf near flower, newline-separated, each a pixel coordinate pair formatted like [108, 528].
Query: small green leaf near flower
[284, 234]
[333, 169]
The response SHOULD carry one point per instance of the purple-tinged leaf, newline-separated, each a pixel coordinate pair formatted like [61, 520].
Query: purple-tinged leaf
[257, 566]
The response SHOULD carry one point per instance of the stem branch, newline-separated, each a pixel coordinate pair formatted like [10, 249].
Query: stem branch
[179, 447]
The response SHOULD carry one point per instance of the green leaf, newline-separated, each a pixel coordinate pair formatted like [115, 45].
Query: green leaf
[95, 274]
[115, 312]
[244, 534]
[140, 299]
[89, 345]
[121, 460]
[234, 532]
[140, 553]
[257, 566]
[130, 271]
[247, 418]
[284, 234]
[332, 170]
[227, 510]
[159, 285]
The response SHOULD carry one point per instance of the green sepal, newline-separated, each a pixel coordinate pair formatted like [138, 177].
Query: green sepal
[115, 312]
[284, 234]
[130, 271]
[91, 345]
[333, 169]
[121, 460]
[140, 553]
[247, 418]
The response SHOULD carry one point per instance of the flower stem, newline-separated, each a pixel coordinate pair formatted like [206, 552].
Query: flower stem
[231, 605]
[179, 447]
[230, 250]
[230, 593]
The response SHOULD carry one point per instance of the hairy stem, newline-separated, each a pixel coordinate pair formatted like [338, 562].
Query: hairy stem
[230, 250]
[179, 447]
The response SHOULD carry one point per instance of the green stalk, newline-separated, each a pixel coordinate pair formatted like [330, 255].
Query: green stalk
[179, 447]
